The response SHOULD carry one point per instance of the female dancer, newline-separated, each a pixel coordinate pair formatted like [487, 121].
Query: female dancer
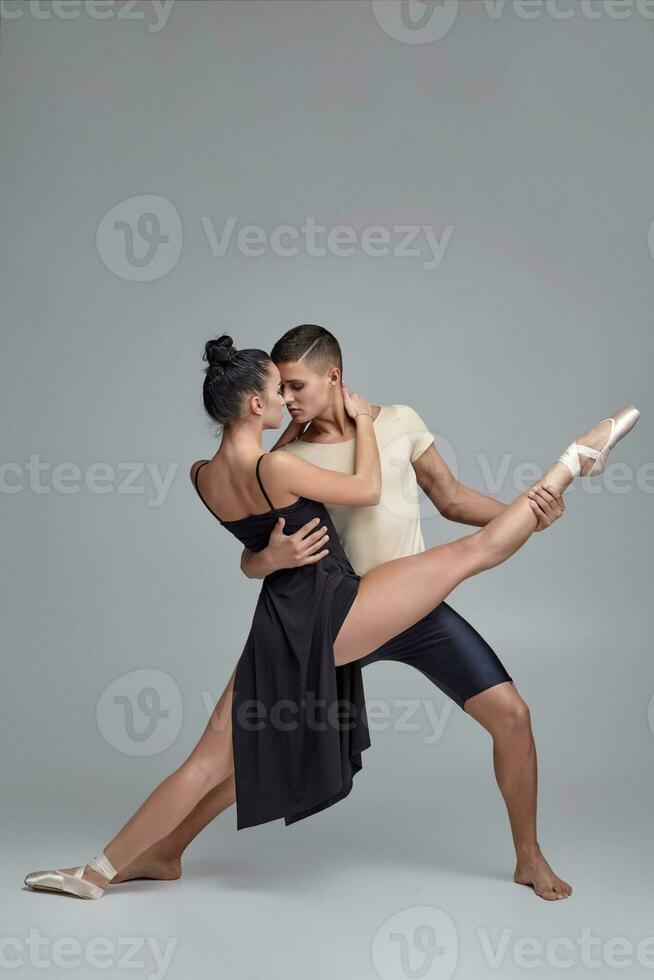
[312, 623]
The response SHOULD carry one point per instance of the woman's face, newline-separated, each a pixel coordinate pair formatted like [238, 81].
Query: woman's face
[273, 400]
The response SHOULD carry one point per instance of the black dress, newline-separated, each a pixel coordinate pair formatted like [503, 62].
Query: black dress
[299, 722]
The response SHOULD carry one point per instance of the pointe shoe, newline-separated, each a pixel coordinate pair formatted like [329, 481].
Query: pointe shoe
[621, 423]
[75, 884]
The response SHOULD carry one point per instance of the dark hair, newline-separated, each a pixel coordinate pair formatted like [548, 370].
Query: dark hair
[321, 348]
[231, 375]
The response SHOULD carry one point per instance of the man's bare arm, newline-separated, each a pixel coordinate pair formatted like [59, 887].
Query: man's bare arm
[438, 482]
[460, 503]
[255, 564]
[304, 547]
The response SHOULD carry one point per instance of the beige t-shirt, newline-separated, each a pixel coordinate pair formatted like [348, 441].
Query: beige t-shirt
[390, 529]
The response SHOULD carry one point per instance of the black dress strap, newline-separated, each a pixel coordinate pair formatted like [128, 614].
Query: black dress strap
[195, 480]
[263, 489]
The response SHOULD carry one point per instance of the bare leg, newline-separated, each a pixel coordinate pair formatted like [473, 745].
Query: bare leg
[436, 572]
[209, 764]
[501, 711]
[425, 579]
[164, 859]
[504, 714]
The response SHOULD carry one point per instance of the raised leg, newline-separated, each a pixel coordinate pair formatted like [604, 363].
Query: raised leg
[421, 580]
[504, 714]
[440, 568]
[398, 593]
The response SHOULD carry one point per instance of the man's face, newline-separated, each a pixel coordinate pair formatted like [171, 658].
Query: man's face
[307, 393]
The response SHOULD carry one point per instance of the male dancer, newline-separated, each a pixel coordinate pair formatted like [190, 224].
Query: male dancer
[442, 645]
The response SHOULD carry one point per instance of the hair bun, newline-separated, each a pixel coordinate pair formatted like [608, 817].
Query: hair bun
[220, 351]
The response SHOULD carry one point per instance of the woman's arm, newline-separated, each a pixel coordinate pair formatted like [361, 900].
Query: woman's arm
[289, 472]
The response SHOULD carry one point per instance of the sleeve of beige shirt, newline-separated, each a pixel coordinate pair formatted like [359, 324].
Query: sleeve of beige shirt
[415, 430]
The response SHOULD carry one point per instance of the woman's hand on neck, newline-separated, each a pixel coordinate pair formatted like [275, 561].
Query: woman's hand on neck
[334, 425]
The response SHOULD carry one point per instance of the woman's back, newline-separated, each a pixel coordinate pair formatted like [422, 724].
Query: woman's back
[229, 487]
[299, 753]
[253, 531]
[288, 661]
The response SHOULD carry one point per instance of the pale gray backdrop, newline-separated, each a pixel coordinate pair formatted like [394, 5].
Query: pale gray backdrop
[520, 136]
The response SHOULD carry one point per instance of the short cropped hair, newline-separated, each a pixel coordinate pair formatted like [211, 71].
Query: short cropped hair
[309, 341]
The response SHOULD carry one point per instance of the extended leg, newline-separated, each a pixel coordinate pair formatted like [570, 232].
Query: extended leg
[450, 652]
[504, 714]
[164, 859]
[398, 593]
[395, 595]
[209, 764]
[371, 620]
[517, 523]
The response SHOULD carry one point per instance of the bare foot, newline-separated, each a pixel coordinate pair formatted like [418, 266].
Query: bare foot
[163, 869]
[535, 871]
[594, 438]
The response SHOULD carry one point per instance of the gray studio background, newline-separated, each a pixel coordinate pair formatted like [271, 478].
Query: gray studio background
[530, 139]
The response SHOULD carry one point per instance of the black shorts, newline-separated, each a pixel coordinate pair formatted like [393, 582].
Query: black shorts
[448, 650]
